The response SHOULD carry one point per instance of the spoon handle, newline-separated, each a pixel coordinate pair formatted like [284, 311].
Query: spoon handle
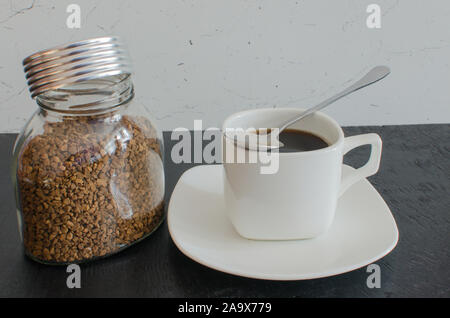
[374, 75]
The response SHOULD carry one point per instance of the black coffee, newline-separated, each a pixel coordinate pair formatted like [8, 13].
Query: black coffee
[297, 140]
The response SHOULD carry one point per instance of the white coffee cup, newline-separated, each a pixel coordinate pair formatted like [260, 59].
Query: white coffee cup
[299, 200]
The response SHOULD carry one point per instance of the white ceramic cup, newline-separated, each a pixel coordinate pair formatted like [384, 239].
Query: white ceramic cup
[299, 200]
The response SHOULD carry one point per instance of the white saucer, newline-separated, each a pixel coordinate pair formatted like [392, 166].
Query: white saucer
[363, 231]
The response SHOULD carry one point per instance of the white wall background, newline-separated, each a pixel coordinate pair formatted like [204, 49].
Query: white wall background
[200, 59]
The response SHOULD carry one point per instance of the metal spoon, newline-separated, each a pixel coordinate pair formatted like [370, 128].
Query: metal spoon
[374, 75]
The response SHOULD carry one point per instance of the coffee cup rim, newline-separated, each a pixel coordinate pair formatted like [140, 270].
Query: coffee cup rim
[322, 115]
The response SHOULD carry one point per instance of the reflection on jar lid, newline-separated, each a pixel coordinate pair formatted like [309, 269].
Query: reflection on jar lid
[76, 62]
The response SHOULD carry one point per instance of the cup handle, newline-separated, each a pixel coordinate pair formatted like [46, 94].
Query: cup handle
[371, 166]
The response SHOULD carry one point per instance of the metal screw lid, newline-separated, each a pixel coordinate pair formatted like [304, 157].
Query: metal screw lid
[75, 62]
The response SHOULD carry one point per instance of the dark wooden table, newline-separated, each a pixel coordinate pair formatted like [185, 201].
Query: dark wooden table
[414, 179]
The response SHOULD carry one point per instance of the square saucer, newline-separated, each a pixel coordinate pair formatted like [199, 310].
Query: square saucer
[363, 231]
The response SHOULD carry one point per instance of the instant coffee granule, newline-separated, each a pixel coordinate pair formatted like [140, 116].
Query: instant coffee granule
[89, 186]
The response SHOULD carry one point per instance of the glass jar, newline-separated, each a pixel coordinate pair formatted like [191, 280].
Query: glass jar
[88, 165]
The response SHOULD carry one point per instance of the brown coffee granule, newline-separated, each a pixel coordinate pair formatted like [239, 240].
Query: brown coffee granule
[89, 186]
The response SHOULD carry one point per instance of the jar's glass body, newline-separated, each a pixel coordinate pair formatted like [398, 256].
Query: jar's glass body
[88, 174]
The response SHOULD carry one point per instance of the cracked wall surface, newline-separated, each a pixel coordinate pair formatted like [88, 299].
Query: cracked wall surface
[205, 60]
